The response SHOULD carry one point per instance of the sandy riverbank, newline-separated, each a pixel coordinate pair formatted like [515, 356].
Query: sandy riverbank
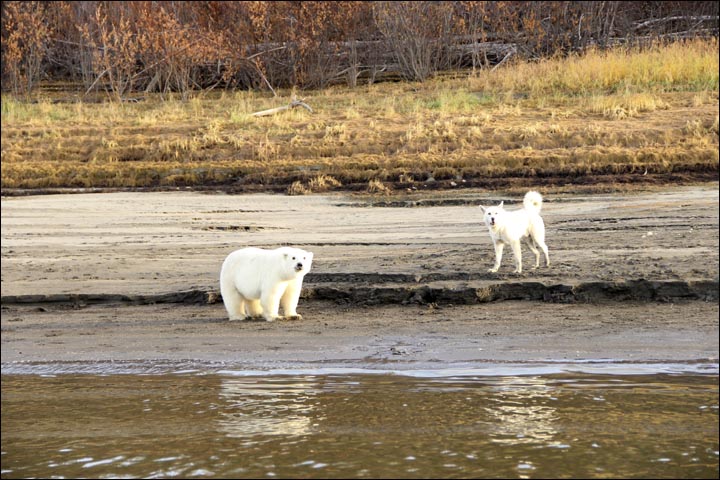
[634, 278]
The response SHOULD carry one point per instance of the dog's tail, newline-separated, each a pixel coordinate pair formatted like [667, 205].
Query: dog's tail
[533, 201]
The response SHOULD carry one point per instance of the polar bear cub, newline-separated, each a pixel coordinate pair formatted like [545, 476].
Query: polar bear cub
[255, 281]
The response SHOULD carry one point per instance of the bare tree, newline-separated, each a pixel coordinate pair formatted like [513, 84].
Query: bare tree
[114, 49]
[417, 35]
[25, 37]
[165, 45]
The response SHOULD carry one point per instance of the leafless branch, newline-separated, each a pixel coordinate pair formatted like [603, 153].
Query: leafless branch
[292, 104]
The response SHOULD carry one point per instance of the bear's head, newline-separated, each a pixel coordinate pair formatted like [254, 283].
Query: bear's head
[297, 262]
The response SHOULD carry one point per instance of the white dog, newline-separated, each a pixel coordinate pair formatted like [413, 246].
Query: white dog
[509, 227]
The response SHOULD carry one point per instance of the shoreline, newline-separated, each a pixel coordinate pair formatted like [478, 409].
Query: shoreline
[113, 279]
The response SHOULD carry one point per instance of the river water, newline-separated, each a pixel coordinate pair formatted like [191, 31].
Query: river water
[70, 421]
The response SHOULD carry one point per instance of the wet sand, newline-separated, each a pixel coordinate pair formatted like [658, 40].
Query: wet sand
[396, 282]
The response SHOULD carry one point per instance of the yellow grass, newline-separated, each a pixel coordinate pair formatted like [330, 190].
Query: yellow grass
[680, 66]
[617, 112]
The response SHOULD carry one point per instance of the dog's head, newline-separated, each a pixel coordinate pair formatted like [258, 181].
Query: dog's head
[491, 214]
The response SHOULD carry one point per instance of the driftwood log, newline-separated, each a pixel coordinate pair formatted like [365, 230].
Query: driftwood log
[272, 111]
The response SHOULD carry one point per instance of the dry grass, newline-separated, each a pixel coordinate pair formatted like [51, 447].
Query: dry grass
[601, 113]
[318, 184]
[376, 186]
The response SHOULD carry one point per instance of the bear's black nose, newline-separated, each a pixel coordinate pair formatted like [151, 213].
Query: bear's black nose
[299, 266]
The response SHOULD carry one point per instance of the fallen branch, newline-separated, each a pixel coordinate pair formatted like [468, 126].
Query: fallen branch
[692, 18]
[510, 53]
[96, 80]
[273, 111]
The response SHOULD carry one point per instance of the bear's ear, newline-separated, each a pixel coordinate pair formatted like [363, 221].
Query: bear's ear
[310, 254]
[285, 255]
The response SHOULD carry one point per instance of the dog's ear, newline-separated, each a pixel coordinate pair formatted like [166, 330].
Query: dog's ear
[482, 208]
[501, 204]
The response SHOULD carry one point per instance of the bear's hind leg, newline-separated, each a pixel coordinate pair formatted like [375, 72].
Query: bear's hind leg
[254, 309]
[234, 304]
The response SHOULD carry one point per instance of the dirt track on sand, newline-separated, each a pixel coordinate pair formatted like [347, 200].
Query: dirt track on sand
[395, 282]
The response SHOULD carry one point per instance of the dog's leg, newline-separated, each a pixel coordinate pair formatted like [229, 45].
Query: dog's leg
[517, 252]
[498, 256]
[540, 241]
[545, 251]
[531, 244]
[538, 237]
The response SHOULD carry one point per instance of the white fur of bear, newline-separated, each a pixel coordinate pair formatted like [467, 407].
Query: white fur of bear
[255, 281]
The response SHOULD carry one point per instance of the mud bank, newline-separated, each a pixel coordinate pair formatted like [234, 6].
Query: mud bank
[422, 294]
[133, 276]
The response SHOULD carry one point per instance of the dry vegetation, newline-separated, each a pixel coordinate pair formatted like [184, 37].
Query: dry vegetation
[624, 113]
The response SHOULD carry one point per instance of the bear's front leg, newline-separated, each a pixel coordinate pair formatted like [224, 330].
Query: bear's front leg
[290, 299]
[270, 301]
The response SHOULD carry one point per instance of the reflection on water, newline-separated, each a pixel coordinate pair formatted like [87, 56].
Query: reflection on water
[196, 424]
[263, 408]
[523, 412]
